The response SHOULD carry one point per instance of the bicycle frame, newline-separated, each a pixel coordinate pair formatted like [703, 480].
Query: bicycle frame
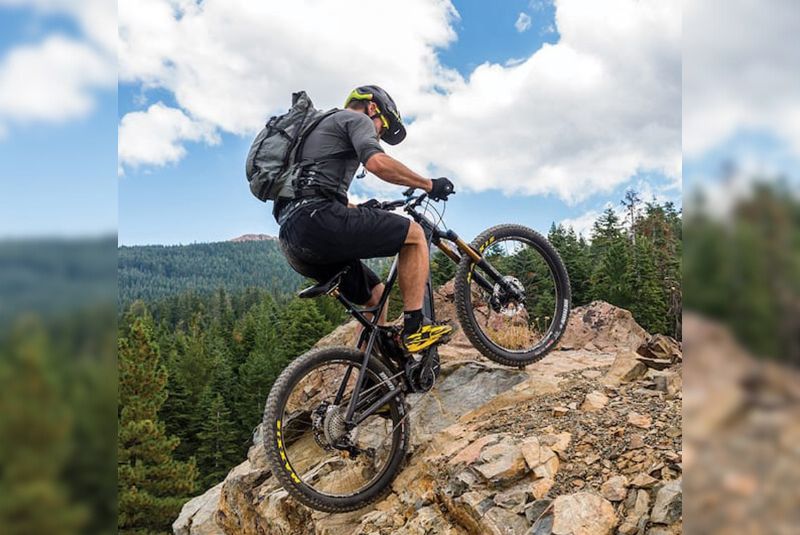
[434, 236]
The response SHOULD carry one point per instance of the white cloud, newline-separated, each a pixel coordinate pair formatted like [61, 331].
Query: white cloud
[582, 224]
[523, 22]
[97, 18]
[740, 71]
[56, 79]
[234, 62]
[575, 118]
[51, 81]
[156, 136]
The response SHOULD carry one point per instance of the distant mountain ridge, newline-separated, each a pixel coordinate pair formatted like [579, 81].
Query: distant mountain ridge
[253, 237]
[153, 272]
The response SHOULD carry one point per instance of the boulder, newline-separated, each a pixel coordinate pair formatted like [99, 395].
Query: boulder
[238, 492]
[541, 459]
[643, 421]
[462, 388]
[468, 509]
[558, 442]
[537, 509]
[625, 368]
[428, 519]
[502, 462]
[470, 454]
[198, 515]
[583, 513]
[668, 506]
[594, 401]
[515, 498]
[615, 488]
[498, 521]
[661, 347]
[643, 481]
[600, 326]
[636, 518]
[541, 487]
[655, 364]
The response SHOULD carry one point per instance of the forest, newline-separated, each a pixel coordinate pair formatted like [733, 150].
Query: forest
[153, 272]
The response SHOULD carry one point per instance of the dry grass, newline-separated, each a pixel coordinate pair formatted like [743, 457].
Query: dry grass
[512, 336]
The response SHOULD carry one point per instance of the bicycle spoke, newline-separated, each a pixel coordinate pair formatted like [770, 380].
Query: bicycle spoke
[314, 431]
[510, 323]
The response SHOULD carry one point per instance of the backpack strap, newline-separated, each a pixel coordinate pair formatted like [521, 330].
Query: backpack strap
[298, 149]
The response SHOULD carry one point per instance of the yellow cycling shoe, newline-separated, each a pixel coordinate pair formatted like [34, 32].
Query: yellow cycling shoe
[430, 333]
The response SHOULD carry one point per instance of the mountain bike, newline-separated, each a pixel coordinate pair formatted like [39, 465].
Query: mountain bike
[336, 421]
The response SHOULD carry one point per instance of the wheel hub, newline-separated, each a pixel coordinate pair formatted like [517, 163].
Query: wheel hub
[330, 430]
[509, 291]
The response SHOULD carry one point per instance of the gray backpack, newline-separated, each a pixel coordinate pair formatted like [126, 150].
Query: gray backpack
[271, 166]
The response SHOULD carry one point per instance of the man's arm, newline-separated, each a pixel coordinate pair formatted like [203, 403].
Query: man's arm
[387, 168]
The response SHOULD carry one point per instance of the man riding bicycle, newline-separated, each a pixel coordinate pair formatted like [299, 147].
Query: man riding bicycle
[321, 233]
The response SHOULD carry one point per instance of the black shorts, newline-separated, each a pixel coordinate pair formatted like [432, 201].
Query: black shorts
[321, 239]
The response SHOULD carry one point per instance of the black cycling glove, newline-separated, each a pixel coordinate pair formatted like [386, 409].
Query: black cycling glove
[372, 203]
[442, 188]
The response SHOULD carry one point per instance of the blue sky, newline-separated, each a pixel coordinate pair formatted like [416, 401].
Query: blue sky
[65, 172]
[58, 168]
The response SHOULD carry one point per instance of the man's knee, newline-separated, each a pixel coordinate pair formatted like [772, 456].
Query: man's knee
[415, 234]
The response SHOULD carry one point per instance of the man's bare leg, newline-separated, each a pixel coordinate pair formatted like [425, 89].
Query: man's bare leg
[412, 267]
[374, 299]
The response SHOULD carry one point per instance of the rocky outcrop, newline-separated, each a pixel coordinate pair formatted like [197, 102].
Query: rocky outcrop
[600, 326]
[585, 442]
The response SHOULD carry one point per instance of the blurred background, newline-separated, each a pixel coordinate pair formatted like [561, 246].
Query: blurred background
[58, 244]
[741, 146]
[58, 261]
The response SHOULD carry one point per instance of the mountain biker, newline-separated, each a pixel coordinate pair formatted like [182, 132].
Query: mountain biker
[321, 232]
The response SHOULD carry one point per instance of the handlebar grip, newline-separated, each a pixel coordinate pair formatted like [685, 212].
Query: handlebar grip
[409, 192]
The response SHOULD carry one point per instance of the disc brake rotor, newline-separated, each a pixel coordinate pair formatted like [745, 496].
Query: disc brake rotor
[508, 300]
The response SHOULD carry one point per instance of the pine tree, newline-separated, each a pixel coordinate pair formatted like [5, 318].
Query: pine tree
[32, 411]
[605, 231]
[610, 280]
[152, 485]
[219, 449]
[574, 251]
[255, 380]
[442, 269]
[301, 325]
[647, 301]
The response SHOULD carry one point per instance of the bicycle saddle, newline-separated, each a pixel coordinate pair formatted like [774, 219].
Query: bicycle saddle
[323, 287]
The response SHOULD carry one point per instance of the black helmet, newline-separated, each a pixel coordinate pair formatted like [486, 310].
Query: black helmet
[394, 131]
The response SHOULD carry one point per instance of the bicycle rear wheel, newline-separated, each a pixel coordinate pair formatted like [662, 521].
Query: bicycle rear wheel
[315, 457]
[519, 321]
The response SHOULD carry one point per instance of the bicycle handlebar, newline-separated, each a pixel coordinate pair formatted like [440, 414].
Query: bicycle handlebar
[411, 201]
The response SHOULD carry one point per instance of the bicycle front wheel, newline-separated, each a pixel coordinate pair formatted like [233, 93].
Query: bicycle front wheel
[515, 318]
[312, 452]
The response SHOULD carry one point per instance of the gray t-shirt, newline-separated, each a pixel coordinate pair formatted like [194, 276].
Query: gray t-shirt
[341, 132]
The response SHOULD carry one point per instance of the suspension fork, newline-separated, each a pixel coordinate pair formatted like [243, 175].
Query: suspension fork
[477, 260]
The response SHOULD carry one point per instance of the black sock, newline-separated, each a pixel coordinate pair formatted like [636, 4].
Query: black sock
[412, 320]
